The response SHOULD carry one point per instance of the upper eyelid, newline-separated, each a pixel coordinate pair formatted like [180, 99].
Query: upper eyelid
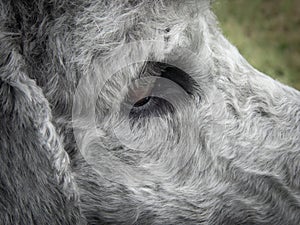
[170, 72]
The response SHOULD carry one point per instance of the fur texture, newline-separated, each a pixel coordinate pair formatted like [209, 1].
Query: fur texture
[227, 153]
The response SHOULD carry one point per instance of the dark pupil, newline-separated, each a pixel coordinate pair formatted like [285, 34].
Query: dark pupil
[142, 102]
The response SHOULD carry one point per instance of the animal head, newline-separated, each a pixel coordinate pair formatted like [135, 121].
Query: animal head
[140, 112]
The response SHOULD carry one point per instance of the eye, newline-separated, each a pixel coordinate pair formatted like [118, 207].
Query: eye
[142, 102]
[160, 86]
[140, 93]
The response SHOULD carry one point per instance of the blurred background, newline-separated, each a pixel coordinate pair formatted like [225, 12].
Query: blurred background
[267, 33]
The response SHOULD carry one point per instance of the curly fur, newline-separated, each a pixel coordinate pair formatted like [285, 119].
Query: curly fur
[230, 154]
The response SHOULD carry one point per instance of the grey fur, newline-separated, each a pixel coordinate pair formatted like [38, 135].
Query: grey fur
[229, 155]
